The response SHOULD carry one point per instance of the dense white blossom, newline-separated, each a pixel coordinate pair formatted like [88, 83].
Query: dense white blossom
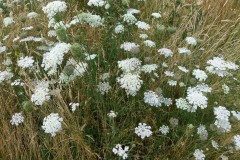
[87, 18]
[220, 67]
[222, 118]
[149, 43]
[17, 119]
[130, 46]
[2, 48]
[184, 69]
[169, 73]
[199, 155]
[129, 18]
[196, 98]
[32, 15]
[202, 87]
[132, 11]
[54, 57]
[74, 106]
[17, 82]
[215, 144]
[142, 25]
[148, 68]
[41, 93]
[5, 75]
[165, 52]
[143, 36]
[97, 3]
[130, 82]
[8, 21]
[172, 83]
[164, 129]
[236, 141]
[184, 51]
[156, 15]
[182, 103]
[200, 74]
[119, 29]
[143, 130]
[152, 99]
[25, 62]
[225, 89]
[236, 115]
[90, 56]
[112, 114]
[121, 151]
[52, 8]
[130, 65]
[191, 41]
[52, 124]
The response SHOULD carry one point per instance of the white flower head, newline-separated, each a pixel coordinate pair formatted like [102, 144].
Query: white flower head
[74, 106]
[5, 75]
[165, 52]
[149, 43]
[215, 144]
[32, 15]
[148, 68]
[222, 118]
[199, 155]
[52, 124]
[220, 67]
[17, 119]
[184, 51]
[143, 36]
[129, 18]
[130, 82]
[196, 98]
[225, 89]
[130, 47]
[236, 141]
[143, 130]
[200, 74]
[184, 69]
[52, 8]
[130, 65]
[164, 129]
[142, 25]
[8, 21]
[25, 62]
[191, 41]
[41, 93]
[121, 151]
[97, 3]
[152, 99]
[182, 103]
[156, 15]
[112, 114]
[54, 57]
[119, 29]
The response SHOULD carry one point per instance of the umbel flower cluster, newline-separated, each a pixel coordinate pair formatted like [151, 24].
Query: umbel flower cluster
[120, 77]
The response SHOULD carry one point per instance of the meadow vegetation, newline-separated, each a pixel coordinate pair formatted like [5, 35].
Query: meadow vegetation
[120, 79]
